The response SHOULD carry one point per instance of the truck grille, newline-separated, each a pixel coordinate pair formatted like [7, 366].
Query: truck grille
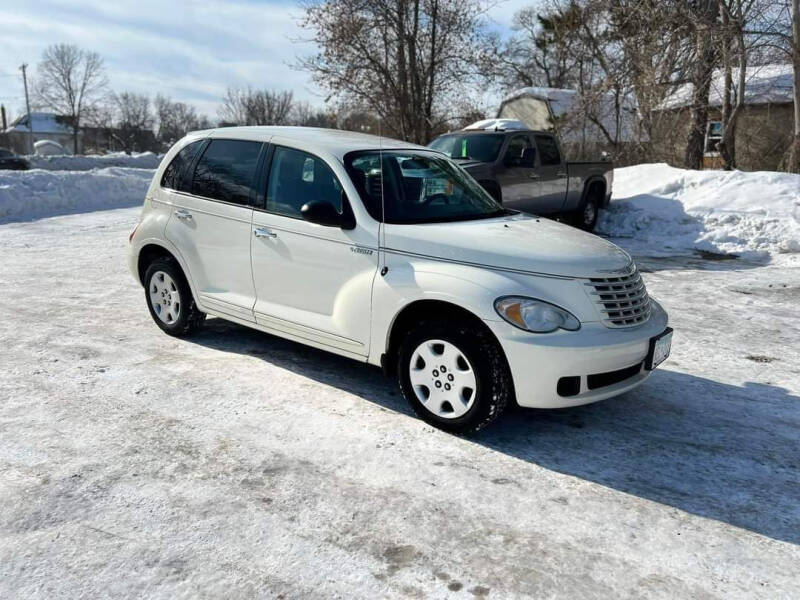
[622, 301]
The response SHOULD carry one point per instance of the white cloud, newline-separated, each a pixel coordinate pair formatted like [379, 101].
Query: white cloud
[188, 49]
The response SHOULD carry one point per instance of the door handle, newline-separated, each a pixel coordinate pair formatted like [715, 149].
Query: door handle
[183, 214]
[260, 232]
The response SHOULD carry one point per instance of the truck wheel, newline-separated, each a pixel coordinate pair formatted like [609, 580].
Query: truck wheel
[454, 375]
[586, 216]
[170, 299]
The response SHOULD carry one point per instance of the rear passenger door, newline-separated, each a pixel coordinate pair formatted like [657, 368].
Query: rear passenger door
[552, 174]
[210, 224]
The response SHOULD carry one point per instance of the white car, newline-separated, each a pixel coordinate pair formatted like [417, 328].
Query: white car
[389, 253]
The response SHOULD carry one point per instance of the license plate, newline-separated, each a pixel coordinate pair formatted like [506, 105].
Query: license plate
[659, 349]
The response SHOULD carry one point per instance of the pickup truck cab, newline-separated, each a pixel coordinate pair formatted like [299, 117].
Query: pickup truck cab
[526, 170]
[388, 253]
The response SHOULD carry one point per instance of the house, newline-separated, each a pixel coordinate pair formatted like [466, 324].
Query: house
[587, 125]
[46, 126]
[764, 127]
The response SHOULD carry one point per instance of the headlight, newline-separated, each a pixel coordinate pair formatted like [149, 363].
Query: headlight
[535, 315]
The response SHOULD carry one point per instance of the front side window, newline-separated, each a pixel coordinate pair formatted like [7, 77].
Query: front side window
[519, 151]
[548, 150]
[296, 177]
[417, 187]
[477, 146]
[226, 171]
[173, 178]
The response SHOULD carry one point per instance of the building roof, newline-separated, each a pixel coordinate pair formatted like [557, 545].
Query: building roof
[43, 122]
[334, 141]
[768, 84]
[571, 111]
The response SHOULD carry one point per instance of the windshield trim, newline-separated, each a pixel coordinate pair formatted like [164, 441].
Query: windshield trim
[347, 161]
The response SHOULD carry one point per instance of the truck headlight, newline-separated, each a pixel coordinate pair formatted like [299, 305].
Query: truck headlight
[535, 315]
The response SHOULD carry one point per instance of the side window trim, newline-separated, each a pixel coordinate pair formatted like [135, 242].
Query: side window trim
[254, 192]
[268, 171]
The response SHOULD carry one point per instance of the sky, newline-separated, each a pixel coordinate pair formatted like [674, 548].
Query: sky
[190, 50]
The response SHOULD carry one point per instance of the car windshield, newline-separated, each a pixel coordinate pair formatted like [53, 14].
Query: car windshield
[418, 187]
[477, 146]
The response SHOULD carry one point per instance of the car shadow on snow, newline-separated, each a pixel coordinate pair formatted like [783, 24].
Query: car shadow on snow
[719, 451]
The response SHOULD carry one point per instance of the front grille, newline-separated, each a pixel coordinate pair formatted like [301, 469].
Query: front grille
[622, 301]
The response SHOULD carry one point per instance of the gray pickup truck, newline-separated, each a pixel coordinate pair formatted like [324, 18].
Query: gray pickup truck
[525, 170]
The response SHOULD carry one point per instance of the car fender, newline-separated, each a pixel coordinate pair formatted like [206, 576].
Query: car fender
[472, 288]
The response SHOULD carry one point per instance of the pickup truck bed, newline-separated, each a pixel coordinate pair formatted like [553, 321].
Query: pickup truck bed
[525, 170]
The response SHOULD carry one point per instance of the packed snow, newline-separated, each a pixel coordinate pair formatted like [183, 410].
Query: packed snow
[662, 210]
[136, 160]
[38, 193]
[235, 464]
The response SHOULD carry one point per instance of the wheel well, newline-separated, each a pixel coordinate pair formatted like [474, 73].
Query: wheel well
[147, 255]
[597, 186]
[424, 310]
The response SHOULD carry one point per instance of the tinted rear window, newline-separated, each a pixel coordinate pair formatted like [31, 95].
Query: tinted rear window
[173, 175]
[226, 171]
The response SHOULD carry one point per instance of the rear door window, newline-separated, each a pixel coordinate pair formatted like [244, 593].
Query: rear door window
[548, 150]
[173, 178]
[296, 177]
[226, 171]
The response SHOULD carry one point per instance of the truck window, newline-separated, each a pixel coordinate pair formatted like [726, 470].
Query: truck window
[548, 150]
[516, 148]
[481, 146]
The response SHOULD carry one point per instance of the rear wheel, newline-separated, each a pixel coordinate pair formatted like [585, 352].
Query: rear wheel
[454, 375]
[170, 299]
[586, 216]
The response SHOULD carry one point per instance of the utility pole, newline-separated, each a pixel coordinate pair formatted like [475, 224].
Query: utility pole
[23, 68]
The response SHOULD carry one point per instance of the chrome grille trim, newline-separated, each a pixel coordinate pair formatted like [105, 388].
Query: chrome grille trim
[621, 301]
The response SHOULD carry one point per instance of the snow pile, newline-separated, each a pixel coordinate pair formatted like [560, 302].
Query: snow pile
[142, 160]
[37, 193]
[664, 209]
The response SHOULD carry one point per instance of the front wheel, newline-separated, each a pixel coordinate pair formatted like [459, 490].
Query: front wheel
[454, 375]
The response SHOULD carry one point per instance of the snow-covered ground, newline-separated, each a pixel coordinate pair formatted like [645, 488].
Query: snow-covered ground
[238, 464]
[140, 160]
[662, 210]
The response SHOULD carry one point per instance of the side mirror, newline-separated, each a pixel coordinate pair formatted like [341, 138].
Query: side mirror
[528, 156]
[325, 213]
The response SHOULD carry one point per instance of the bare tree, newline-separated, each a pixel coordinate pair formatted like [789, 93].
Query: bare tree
[175, 120]
[406, 61]
[793, 155]
[70, 81]
[246, 106]
[134, 118]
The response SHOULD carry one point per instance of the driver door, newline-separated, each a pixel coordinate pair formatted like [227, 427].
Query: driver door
[517, 177]
[312, 282]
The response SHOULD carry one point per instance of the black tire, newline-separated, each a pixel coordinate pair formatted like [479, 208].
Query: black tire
[494, 389]
[586, 216]
[189, 318]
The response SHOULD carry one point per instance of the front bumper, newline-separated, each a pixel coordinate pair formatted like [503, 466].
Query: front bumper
[539, 361]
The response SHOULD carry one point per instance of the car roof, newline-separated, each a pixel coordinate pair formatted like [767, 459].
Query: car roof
[334, 141]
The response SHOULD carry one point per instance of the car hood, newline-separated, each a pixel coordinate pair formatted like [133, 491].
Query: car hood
[515, 242]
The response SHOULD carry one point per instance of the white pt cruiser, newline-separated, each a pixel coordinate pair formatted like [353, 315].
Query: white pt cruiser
[389, 253]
